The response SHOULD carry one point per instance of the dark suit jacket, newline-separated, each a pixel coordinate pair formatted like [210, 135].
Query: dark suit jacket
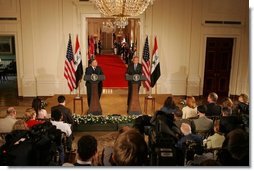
[66, 112]
[90, 71]
[213, 109]
[229, 123]
[131, 71]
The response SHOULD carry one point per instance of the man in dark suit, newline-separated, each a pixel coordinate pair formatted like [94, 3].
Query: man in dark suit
[133, 68]
[93, 68]
[213, 109]
[66, 112]
[67, 117]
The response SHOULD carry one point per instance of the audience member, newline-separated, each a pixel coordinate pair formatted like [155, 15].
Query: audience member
[57, 118]
[130, 149]
[235, 149]
[20, 125]
[243, 105]
[227, 102]
[6, 124]
[87, 151]
[228, 122]
[66, 112]
[216, 140]
[203, 124]
[213, 109]
[41, 113]
[190, 110]
[30, 115]
[169, 105]
[178, 120]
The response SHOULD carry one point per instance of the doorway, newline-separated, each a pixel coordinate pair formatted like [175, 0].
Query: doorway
[8, 71]
[218, 65]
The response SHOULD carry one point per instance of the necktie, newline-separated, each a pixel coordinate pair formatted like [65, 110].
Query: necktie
[135, 67]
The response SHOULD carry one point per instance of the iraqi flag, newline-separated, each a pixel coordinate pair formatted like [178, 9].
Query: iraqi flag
[78, 63]
[156, 71]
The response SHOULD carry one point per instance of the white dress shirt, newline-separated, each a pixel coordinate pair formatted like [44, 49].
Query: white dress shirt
[64, 127]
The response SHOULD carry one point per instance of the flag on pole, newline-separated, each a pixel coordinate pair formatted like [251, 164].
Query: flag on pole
[156, 71]
[146, 65]
[69, 67]
[78, 63]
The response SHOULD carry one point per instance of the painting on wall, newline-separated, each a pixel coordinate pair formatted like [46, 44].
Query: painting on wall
[7, 45]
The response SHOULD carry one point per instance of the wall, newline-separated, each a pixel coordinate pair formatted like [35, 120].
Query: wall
[42, 27]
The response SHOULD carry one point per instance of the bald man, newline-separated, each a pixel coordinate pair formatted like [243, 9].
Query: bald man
[6, 124]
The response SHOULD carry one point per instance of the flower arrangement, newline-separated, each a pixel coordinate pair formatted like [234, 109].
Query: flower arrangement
[94, 119]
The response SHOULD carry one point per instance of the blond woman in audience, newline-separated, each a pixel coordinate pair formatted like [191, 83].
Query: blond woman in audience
[30, 114]
[20, 125]
[190, 111]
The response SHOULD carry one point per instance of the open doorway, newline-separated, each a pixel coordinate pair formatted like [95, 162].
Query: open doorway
[8, 71]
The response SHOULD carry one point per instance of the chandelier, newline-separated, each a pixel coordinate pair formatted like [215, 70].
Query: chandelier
[121, 10]
[108, 27]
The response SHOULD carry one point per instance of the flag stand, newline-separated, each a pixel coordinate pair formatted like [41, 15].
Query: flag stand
[78, 95]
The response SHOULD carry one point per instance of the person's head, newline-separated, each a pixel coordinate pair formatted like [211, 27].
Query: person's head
[226, 111]
[36, 104]
[202, 110]
[237, 143]
[56, 115]
[191, 102]
[130, 149]
[135, 59]
[61, 99]
[87, 148]
[11, 111]
[169, 102]
[20, 125]
[30, 113]
[227, 102]
[185, 129]
[94, 63]
[212, 97]
[243, 98]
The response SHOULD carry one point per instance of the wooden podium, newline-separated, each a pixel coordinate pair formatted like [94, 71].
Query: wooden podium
[95, 106]
[134, 105]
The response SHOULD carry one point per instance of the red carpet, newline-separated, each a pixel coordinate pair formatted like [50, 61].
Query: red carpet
[114, 70]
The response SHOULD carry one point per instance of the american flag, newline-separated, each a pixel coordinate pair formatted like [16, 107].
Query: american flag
[69, 66]
[146, 65]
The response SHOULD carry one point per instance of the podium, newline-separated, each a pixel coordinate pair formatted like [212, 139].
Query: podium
[95, 106]
[134, 105]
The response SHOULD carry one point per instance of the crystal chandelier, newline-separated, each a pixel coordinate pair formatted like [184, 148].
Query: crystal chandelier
[121, 22]
[108, 27]
[122, 9]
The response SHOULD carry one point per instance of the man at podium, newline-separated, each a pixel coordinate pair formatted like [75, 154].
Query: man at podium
[133, 68]
[93, 68]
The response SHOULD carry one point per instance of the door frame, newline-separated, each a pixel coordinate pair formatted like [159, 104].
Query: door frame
[234, 62]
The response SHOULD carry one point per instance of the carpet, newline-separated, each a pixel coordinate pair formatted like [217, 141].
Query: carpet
[114, 70]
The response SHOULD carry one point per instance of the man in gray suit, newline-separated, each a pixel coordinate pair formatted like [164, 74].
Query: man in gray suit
[203, 124]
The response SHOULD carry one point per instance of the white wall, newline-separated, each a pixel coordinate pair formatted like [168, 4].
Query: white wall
[42, 27]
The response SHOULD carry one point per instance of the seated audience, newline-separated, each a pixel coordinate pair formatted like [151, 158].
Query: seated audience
[203, 124]
[6, 124]
[87, 151]
[216, 140]
[190, 111]
[178, 121]
[130, 149]
[41, 113]
[66, 112]
[227, 102]
[188, 136]
[20, 125]
[30, 114]
[169, 105]
[57, 118]
[213, 109]
[228, 122]
[235, 149]
[243, 104]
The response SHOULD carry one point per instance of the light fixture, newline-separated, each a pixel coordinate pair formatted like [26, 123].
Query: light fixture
[121, 22]
[108, 26]
[122, 9]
